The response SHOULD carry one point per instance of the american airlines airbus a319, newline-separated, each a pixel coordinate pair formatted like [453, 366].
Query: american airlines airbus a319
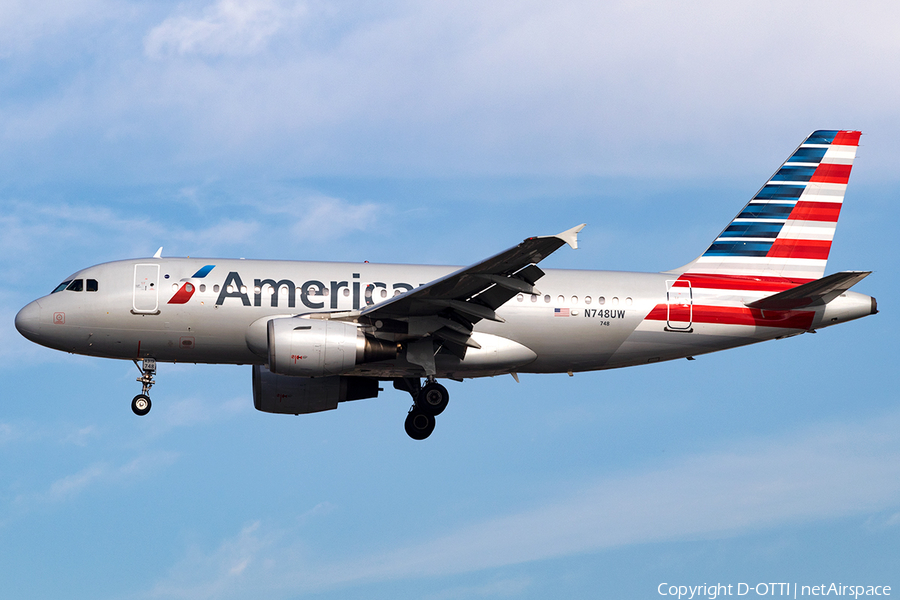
[320, 333]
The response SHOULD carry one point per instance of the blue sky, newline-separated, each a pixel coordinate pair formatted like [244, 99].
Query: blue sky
[441, 133]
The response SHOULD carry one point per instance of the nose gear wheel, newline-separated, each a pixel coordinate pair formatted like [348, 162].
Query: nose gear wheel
[141, 405]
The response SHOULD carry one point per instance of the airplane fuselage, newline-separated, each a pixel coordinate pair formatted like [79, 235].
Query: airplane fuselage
[580, 320]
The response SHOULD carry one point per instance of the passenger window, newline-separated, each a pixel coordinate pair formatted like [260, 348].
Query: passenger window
[61, 286]
[92, 285]
[77, 285]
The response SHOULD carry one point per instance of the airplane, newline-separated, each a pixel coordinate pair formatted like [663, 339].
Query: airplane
[320, 333]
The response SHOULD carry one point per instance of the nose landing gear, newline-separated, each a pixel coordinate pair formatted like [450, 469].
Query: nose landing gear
[141, 403]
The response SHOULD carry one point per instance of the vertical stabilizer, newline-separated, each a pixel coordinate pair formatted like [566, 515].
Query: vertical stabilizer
[787, 227]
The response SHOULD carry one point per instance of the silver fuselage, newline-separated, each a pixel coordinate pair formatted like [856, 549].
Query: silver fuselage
[580, 320]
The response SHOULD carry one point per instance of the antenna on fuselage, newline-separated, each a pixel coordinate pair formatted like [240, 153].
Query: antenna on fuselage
[158, 253]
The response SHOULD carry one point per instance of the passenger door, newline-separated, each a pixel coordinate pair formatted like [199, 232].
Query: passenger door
[146, 289]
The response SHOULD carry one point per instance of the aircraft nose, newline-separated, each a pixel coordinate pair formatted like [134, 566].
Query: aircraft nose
[28, 321]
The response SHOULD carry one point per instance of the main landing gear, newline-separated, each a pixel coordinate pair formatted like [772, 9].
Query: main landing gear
[141, 403]
[429, 401]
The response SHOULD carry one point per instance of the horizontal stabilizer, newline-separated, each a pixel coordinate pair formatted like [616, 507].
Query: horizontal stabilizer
[818, 292]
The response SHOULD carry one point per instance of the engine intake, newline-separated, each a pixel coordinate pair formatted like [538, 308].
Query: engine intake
[317, 348]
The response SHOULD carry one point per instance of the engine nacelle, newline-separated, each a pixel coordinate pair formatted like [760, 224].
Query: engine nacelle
[284, 394]
[317, 347]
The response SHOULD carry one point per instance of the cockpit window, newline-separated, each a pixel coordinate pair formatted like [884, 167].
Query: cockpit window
[61, 286]
[92, 285]
[77, 285]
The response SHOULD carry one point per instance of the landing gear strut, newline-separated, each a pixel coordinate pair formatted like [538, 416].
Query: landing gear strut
[429, 401]
[141, 403]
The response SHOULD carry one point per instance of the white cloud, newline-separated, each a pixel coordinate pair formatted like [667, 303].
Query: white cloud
[286, 88]
[81, 436]
[225, 28]
[100, 473]
[228, 563]
[31, 433]
[324, 218]
[74, 484]
[825, 473]
[583, 87]
[86, 226]
[194, 411]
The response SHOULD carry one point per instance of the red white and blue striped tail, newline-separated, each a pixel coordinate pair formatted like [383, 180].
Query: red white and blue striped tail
[786, 230]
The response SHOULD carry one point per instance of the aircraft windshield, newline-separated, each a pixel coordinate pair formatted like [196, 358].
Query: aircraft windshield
[77, 285]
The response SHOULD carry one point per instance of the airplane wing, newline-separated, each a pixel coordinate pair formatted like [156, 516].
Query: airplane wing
[818, 292]
[447, 308]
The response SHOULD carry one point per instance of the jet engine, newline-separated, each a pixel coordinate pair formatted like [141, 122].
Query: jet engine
[317, 348]
[275, 393]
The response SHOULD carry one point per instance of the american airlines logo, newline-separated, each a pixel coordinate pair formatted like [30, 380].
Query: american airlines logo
[309, 291]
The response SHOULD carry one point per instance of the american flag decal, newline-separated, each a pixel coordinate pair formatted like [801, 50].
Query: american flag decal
[561, 312]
